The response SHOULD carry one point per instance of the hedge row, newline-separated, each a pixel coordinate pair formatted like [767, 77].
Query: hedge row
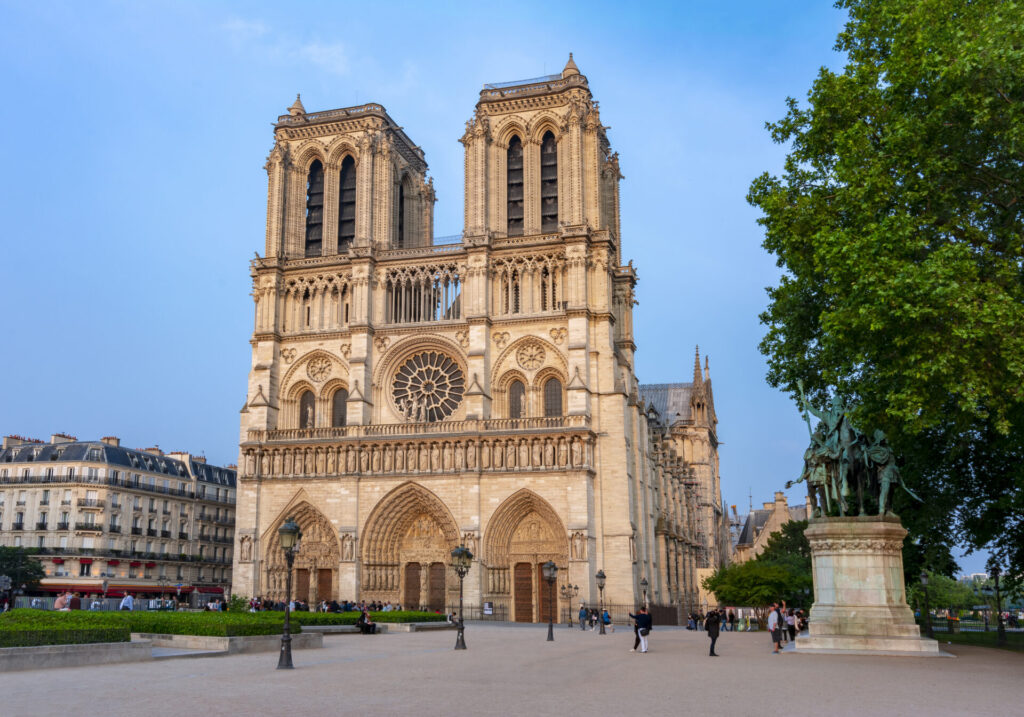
[61, 636]
[349, 618]
[217, 624]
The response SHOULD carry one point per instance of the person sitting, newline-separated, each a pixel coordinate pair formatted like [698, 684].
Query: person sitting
[365, 624]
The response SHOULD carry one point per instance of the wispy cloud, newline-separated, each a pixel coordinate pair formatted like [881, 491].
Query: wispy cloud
[256, 37]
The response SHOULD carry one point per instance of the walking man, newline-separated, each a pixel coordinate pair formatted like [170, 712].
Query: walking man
[711, 624]
[583, 616]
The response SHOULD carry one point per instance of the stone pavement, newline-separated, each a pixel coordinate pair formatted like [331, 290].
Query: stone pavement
[513, 670]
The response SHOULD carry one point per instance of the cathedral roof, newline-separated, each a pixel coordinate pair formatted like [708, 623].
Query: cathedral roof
[671, 400]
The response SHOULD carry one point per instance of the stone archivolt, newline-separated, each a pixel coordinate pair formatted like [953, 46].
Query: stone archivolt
[318, 549]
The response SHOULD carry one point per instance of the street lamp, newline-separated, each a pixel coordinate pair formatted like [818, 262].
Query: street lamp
[289, 535]
[927, 612]
[461, 560]
[1000, 628]
[569, 593]
[600, 577]
[643, 586]
[550, 571]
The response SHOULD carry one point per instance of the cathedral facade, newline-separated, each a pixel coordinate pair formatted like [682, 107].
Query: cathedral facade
[407, 397]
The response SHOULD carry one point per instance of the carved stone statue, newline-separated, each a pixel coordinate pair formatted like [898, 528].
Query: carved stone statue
[245, 549]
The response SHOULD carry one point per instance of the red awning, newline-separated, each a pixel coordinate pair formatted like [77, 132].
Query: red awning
[113, 562]
[134, 564]
[85, 561]
[213, 591]
[150, 565]
[58, 561]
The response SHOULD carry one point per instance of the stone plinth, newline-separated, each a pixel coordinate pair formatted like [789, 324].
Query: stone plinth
[860, 605]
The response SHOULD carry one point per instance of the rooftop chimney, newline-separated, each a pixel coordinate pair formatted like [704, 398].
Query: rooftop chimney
[62, 438]
[111, 441]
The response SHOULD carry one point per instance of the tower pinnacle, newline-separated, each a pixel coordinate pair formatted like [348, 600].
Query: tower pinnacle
[570, 68]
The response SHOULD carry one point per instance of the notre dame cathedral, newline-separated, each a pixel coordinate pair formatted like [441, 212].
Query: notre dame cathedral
[407, 397]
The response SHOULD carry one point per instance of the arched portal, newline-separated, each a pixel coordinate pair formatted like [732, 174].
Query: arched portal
[315, 570]
[406, 550]
[523, 534]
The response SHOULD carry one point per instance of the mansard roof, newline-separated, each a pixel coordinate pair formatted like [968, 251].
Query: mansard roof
[127, 458]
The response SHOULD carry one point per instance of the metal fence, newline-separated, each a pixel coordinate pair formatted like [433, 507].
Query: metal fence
[495, 613]
[941, 624]
[93, 605]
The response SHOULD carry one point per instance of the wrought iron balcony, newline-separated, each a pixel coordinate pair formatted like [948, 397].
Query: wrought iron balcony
[17, 526]
[97, 527]
[165, 533]
[136, 531]
[91, 503]
[151, 532]
[115, 529]
[182, 536]
[63, 526]
[41, 525]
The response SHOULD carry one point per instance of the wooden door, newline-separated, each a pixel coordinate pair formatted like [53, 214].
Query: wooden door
[412, 587]
[325, 585]
[523, 585]
[543, 594]
[302, 584]
[436, 586]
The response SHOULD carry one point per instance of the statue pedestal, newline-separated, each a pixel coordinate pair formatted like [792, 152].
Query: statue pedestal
[860, 606]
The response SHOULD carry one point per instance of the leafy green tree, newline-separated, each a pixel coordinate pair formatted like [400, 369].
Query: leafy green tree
[899, 225]
[20, 567]
[944, 593]
[752, 584]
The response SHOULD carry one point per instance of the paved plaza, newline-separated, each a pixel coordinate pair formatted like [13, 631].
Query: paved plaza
[511, 670]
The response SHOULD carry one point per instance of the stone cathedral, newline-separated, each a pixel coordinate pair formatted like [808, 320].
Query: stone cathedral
[407, 397]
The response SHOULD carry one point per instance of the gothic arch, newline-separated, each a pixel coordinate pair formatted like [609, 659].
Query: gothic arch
[292, 377]
[332, 385]
[513, 125]
[318, 550]
[406, 549]
[553, 359]
[338, 150]
[307, 153]
[544, 122]
[499, 545]
[391, 518]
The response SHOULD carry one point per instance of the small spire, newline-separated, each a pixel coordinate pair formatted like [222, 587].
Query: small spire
[570, 68]
[297, 108]
[707, 369]
[697, 376]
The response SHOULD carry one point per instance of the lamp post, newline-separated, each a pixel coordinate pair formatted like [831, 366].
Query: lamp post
[461, 560]
[289, 535]
[643, 586]
[1000, 628]
[550, 571]
[600, 577]
[569, 593]
[927, 612]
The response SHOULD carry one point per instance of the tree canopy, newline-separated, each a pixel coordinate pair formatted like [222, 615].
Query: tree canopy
[22, 569]
[899, 225]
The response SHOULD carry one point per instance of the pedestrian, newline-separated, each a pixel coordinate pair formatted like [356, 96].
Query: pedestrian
[642, 627]
[775, 627]
[606, 618]
[127, 603]
[791, 624]
[583, 616]
[711, 624]
[732, 621]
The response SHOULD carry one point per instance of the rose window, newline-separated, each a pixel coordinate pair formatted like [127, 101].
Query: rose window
[530, 356]
[428, 387]
[318, 368]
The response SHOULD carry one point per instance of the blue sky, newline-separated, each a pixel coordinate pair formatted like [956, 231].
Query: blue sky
[135, 194]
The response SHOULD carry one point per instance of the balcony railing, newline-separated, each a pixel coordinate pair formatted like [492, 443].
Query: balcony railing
[166, 511]
[115, 528]
[91, 503]
[17, 526]
[165, 533]
[97, 527]
[63, 526]
[41, 525]
[136, 531]
[19, 502]
[66, 501]
[472, 426]
[151, 532]
[182, 536]
[44, 501]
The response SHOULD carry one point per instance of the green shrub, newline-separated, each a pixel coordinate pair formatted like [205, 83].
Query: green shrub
[61, 636]
[349, 618]
[217, 624]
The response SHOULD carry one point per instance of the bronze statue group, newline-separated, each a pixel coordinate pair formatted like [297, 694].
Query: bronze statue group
[842, 462]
